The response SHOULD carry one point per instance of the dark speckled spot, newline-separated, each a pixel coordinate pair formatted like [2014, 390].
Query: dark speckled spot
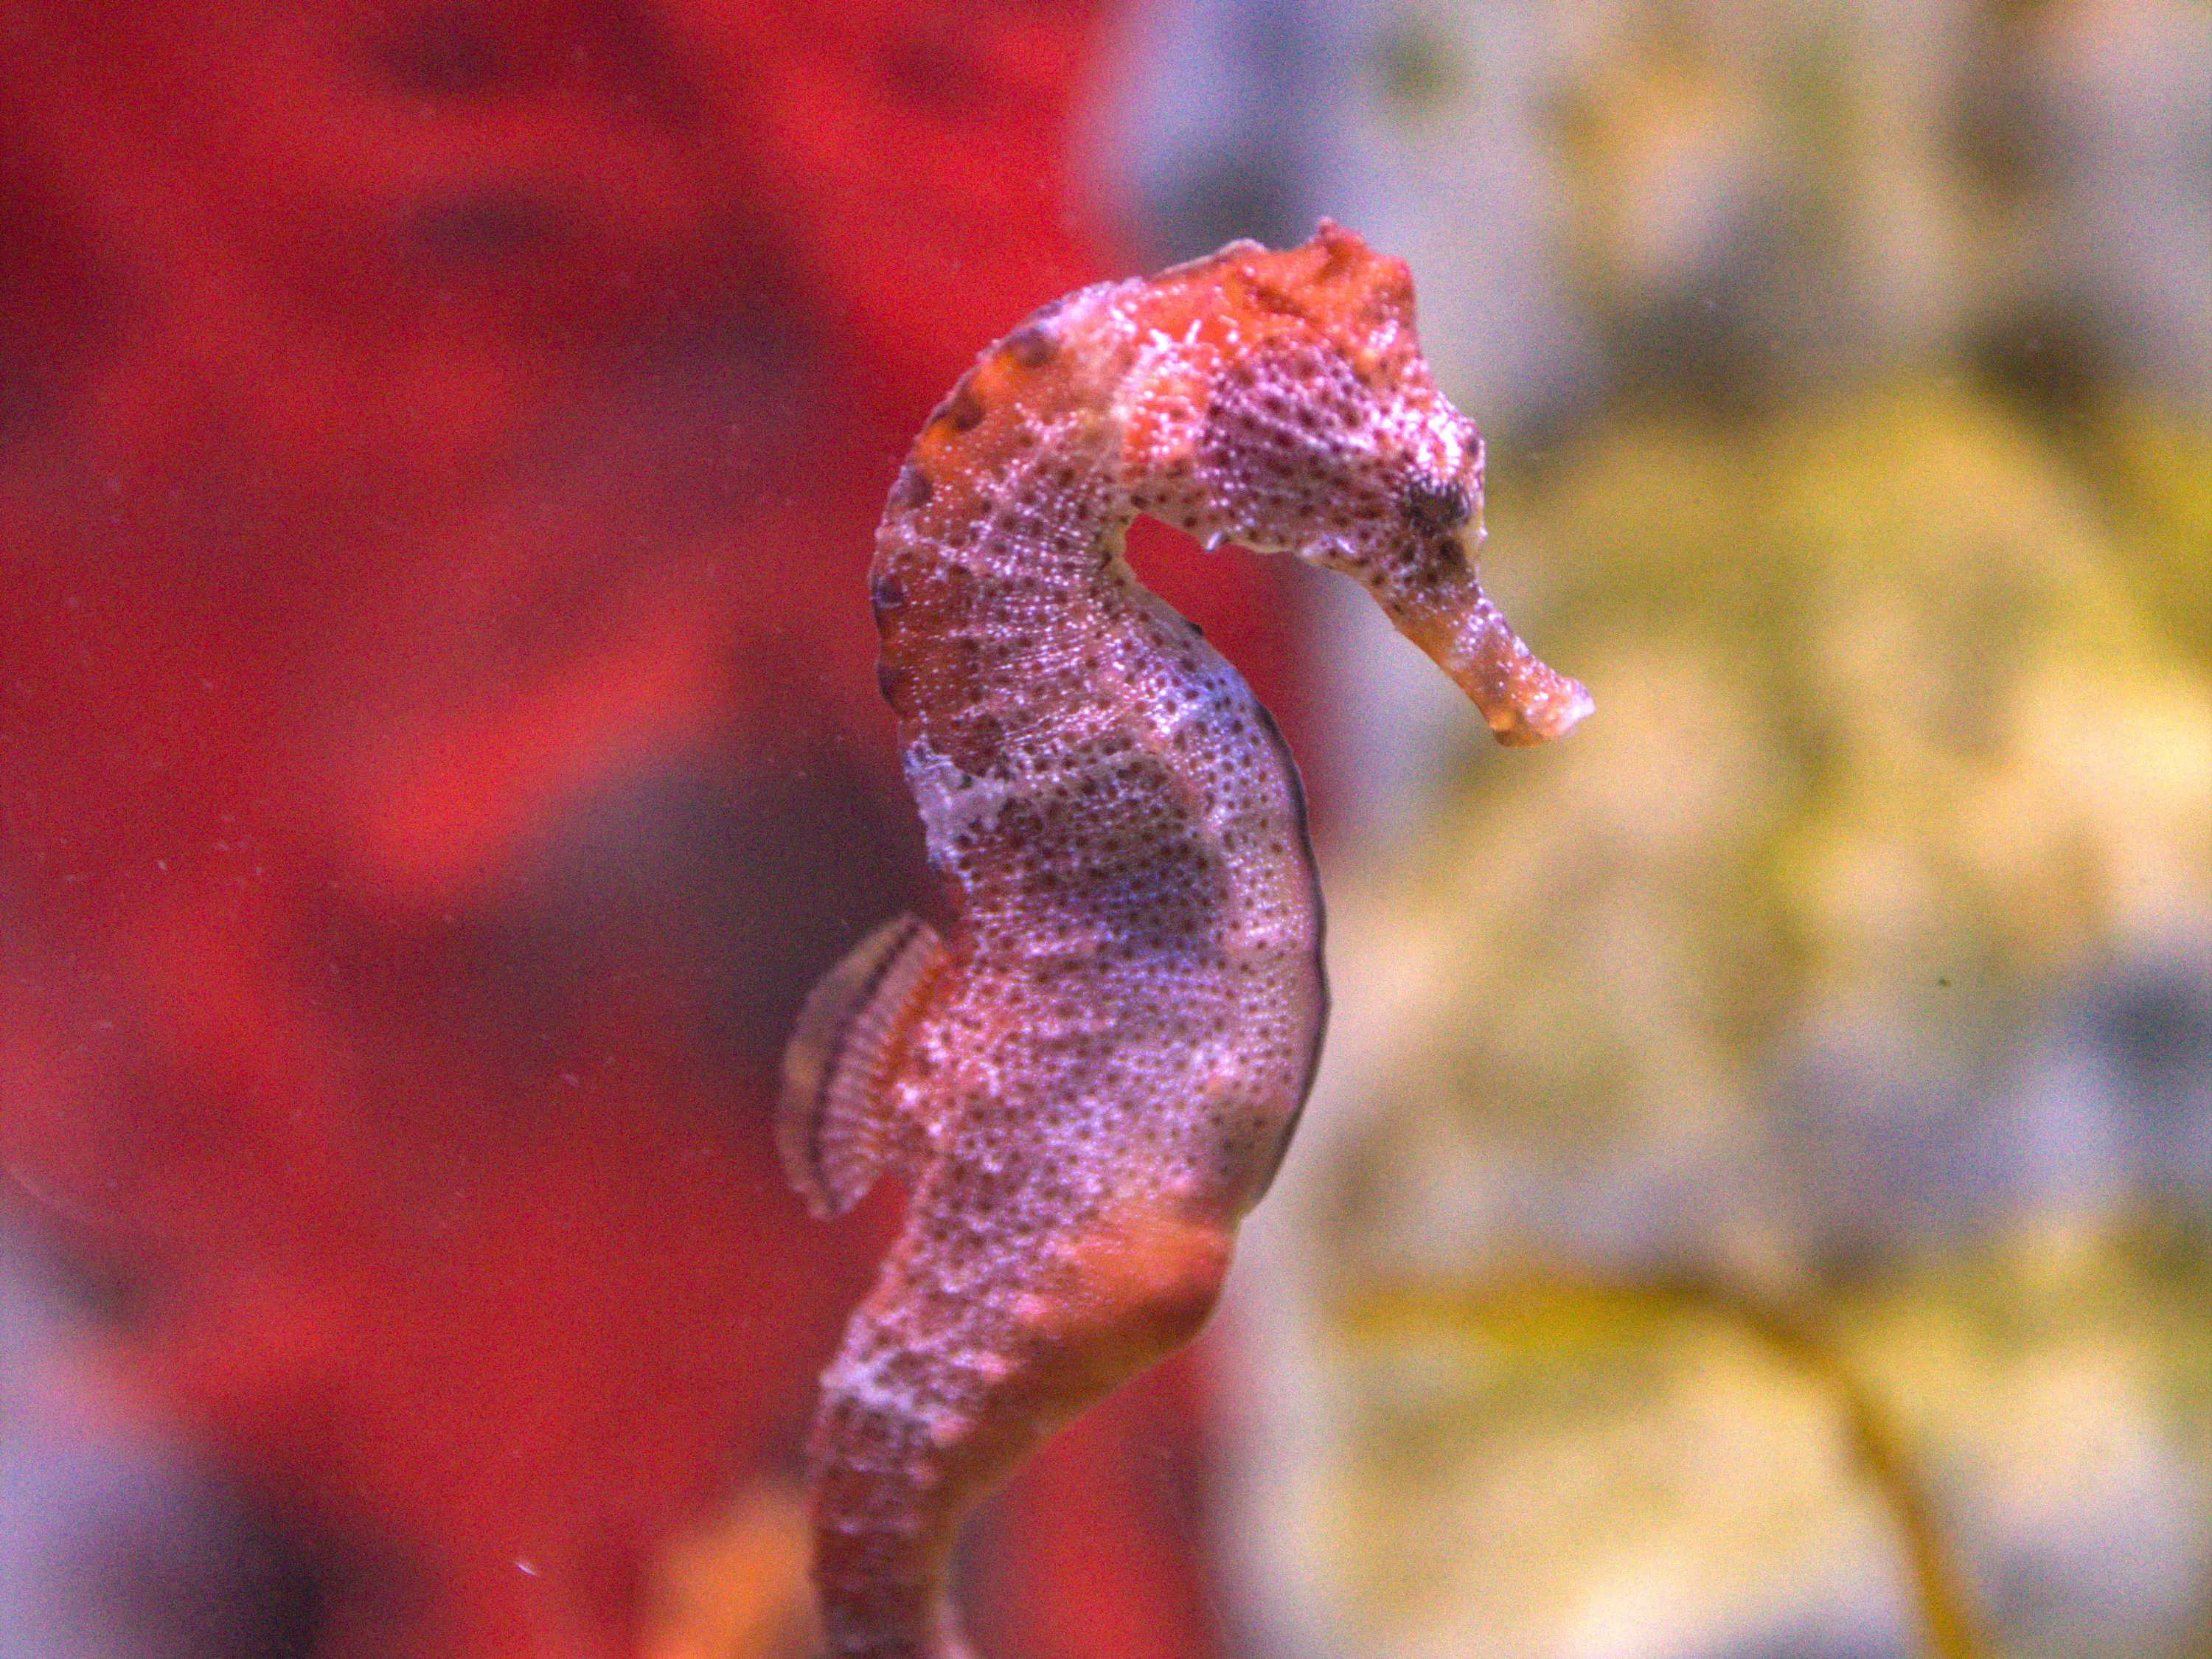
[911, 488]
[895, 683]
[1032, 345]
[887, 593]
[963, 409]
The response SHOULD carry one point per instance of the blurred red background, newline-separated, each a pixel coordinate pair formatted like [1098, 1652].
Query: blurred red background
[439, 449]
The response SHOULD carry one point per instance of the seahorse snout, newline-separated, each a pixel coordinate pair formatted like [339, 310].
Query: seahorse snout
[1530, 702]
[1523, 698]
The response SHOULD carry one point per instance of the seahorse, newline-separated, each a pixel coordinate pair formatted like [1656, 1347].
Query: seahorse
[1090, 1079]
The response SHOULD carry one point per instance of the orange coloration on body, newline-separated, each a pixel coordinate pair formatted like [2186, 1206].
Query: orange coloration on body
[1095, 1076]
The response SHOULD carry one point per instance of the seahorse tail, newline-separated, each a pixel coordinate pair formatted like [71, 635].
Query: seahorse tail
[889, 1489]
[933, 1399]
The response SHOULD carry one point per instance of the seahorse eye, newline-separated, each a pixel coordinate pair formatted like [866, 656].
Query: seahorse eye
[1435, 505]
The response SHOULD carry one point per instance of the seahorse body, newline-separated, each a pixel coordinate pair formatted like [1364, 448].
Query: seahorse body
[1090, 1081]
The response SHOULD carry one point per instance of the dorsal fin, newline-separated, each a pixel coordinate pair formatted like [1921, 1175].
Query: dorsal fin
[831, 1122]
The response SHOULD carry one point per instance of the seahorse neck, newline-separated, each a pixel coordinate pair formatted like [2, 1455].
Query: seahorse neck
[997, 571]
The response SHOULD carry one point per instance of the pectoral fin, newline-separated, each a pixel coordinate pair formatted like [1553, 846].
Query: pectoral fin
[834, 1121]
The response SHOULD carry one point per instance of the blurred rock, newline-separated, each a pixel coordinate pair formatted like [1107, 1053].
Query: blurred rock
[1857, 955]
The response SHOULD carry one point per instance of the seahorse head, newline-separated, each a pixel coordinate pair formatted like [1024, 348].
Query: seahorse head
[1281, 400]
